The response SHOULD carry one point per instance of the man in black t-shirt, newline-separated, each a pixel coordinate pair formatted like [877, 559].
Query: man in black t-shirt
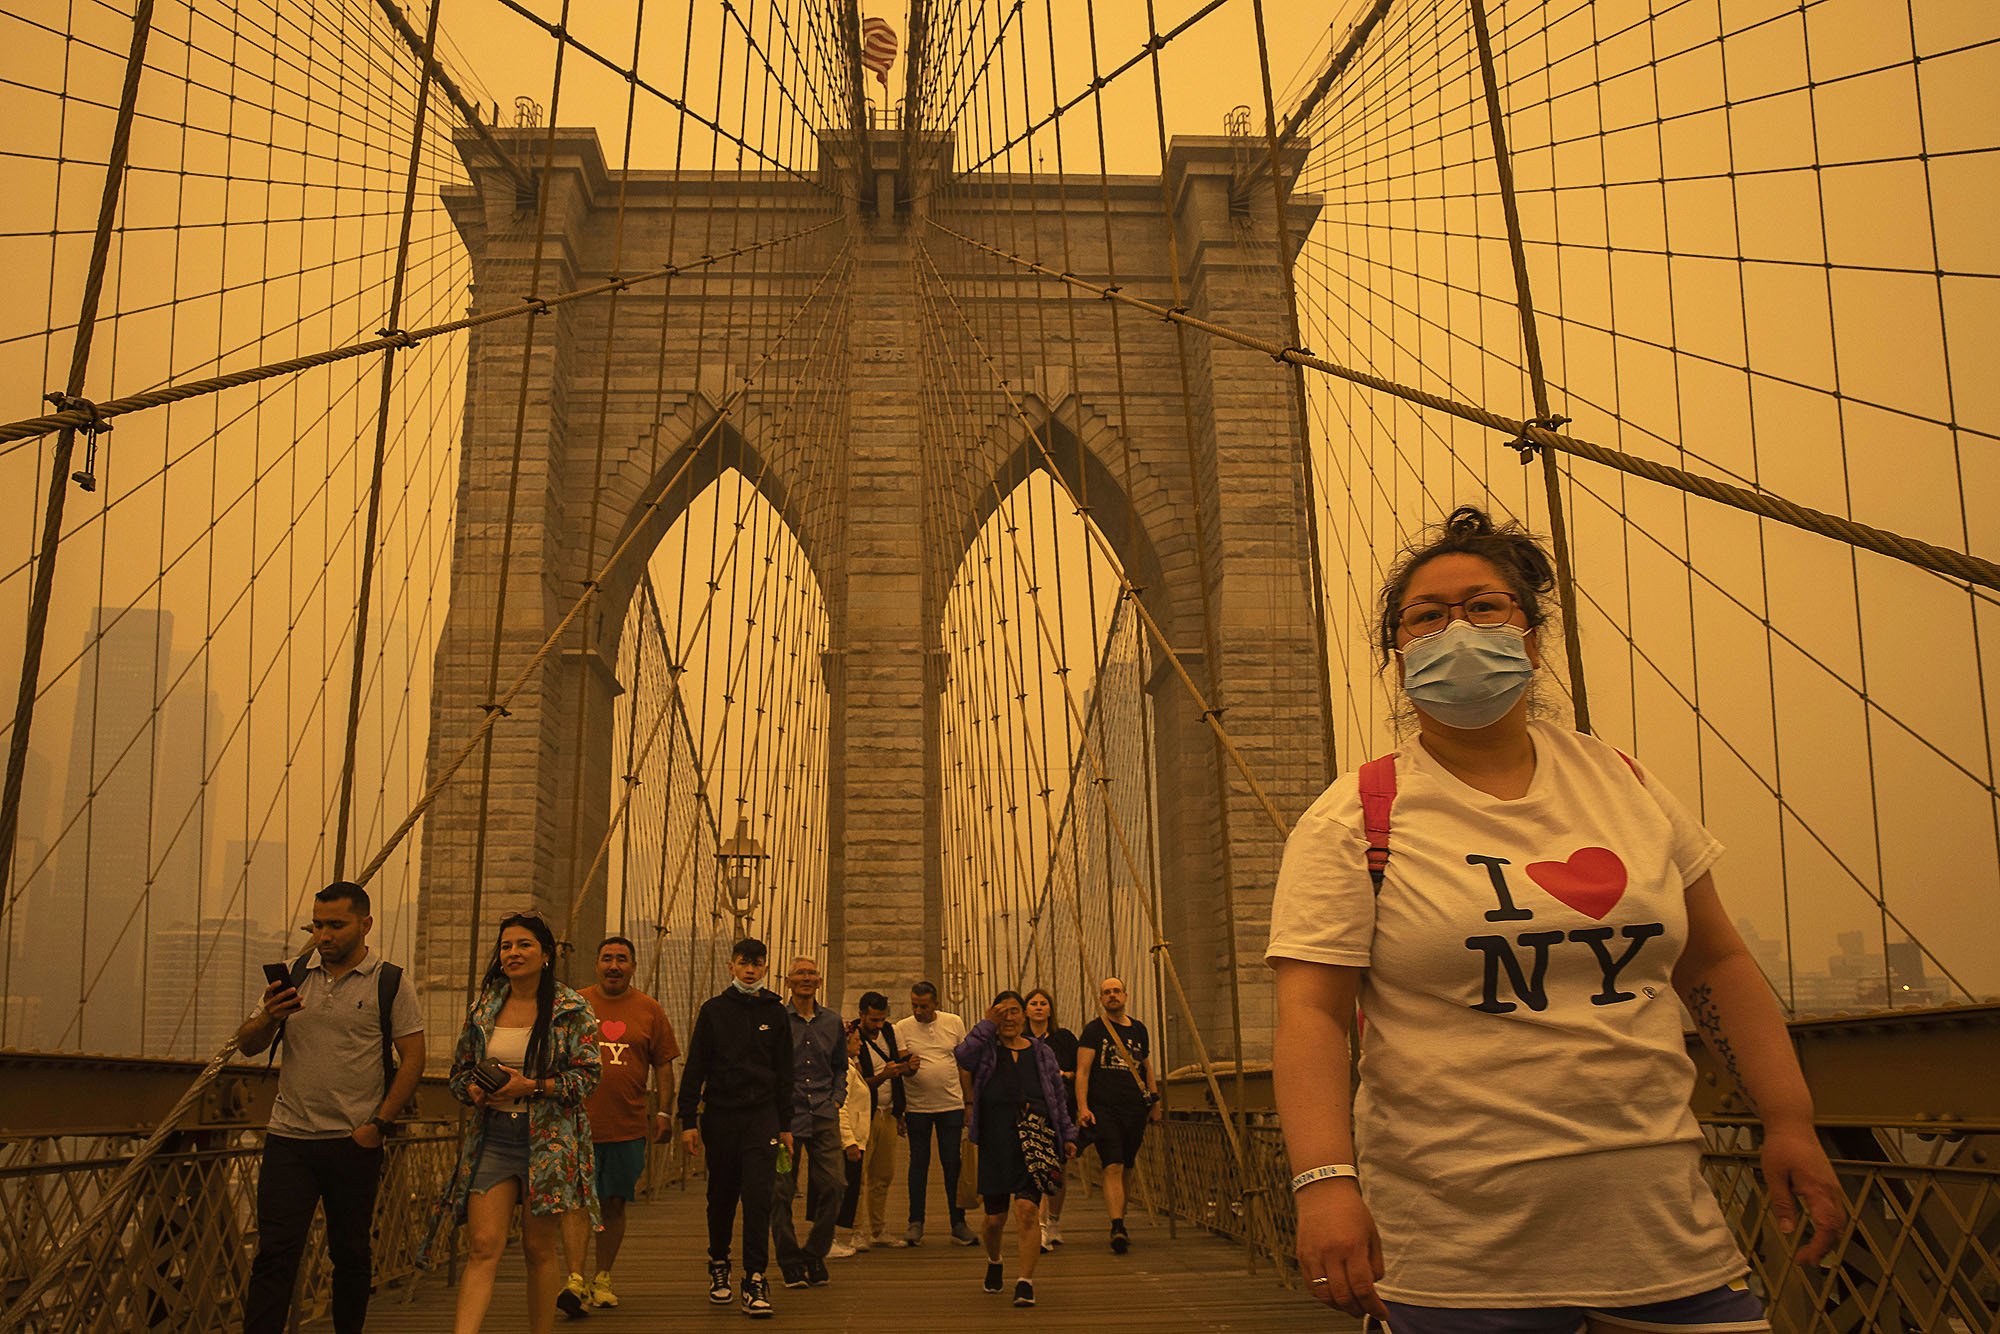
[1116, 1094]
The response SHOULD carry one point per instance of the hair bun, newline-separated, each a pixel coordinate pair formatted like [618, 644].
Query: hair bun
[1468, 521]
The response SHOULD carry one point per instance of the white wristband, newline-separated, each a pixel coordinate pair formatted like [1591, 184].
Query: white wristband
[1331, 1170]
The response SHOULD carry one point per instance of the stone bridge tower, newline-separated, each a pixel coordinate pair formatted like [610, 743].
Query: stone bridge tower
[598, 437]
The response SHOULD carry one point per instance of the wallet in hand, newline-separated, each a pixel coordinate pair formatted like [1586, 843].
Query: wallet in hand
[490, 1075]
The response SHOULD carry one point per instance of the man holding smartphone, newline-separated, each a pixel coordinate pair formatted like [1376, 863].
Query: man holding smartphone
[335, 1101]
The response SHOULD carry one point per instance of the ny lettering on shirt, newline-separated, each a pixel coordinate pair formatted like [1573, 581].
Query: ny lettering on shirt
[1591, 881]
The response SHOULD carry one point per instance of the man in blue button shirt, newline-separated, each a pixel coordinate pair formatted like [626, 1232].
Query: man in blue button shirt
[819, 1090]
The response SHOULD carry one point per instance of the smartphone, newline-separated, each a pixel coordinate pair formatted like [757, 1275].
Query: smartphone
[277, 972]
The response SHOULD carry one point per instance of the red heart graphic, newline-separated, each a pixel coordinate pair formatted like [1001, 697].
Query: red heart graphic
[1591, 881]
[614, 1029]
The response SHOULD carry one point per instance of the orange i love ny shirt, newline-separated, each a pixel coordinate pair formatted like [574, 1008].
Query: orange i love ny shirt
[634, 1037]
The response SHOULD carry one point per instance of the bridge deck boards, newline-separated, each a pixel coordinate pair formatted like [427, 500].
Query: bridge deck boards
[1193, 1282]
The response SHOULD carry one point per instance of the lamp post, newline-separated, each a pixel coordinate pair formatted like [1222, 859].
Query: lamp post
[737, 862]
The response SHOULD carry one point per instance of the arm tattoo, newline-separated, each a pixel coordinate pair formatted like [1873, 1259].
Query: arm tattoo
[1708, 1018]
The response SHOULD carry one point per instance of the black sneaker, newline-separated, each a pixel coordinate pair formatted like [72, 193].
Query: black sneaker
[794, 1274]
[1024, 1292]
[718, 1282]
[1119, 1241]
[816, 1274]
[992, 1280]
[756, 1296]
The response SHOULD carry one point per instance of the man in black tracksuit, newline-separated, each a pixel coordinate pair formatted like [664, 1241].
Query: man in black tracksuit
[739, 1074]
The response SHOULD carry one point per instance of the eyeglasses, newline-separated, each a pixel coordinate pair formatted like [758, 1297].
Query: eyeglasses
[1430, 616]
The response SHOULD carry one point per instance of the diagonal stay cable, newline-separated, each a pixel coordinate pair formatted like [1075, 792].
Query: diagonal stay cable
[1532, 436]
[30, 427]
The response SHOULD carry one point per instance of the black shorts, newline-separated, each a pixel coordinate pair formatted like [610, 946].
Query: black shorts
[1120, 1128]
[997, 1204]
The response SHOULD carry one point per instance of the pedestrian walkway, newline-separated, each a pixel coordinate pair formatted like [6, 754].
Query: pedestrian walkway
[1194, 1281]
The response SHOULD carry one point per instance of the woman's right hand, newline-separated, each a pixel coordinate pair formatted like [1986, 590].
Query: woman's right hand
[479, 1096]
[1338, 1243]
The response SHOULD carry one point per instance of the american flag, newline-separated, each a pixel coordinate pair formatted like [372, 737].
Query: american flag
[878, 47]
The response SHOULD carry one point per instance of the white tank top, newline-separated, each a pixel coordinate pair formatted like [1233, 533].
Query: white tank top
[509, 1046]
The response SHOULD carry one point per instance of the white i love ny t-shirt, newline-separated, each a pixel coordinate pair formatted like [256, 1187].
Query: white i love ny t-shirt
[1522, 1123]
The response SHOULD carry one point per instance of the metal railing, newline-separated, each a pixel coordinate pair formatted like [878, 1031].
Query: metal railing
[177, 1255]
[1920, 1254]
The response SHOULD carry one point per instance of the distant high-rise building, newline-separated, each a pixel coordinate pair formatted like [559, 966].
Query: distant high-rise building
[202, 980]
[129, 858]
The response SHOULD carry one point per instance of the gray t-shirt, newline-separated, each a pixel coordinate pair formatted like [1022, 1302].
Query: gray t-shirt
[330, 1067]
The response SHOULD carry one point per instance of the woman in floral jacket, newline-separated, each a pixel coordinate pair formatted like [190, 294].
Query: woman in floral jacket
[529, 1141]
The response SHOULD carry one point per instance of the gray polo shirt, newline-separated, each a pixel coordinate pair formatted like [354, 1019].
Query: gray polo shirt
[330, 1068]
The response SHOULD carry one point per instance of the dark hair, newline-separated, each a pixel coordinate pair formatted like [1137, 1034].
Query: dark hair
[925, 989]
[1510, 549]
[873, 1000]
[1009, 995]
[345, 889]
[1044, 993]
[545, 990]
[750, 950]
[630, 948]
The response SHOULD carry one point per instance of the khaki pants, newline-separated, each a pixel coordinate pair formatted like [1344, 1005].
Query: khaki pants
[878, 1168]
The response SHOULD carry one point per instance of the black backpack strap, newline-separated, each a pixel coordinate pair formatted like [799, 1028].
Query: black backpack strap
[388, 982]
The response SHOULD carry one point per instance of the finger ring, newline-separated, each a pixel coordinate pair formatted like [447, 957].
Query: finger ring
[1316, 1282]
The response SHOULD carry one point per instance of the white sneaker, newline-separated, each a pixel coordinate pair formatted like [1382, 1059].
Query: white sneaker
[885, 1242]
[1052, 1232]
[840, 1250]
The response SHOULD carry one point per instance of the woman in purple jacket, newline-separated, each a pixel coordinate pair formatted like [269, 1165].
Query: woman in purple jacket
[1017, 1090]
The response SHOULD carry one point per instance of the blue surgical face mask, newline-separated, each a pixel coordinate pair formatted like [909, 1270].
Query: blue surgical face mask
[747, 988]
[1466, 675]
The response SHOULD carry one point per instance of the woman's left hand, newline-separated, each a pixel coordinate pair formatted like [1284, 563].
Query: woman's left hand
[1069, 1149]
[1796, 1172]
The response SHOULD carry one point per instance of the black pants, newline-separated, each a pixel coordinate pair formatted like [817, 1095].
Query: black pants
[742, 1152]
[947, 1126]
[298, 1174]
[850, 1201]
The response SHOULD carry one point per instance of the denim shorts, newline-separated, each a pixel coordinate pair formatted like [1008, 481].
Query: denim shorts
[1731, 1307]
[505, 1153]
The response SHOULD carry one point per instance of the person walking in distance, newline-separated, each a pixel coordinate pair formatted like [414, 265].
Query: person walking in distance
[353, 1038]
[1020, 1122]
[819, 1090]
[934, 1101]
[854, 1127]
[1116, 1095]
[882, 1066]
[735, 1106]
[635, 1040]
[1042, 1026]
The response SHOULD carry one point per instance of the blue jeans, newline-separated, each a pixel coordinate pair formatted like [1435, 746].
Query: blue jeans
[950, 1128]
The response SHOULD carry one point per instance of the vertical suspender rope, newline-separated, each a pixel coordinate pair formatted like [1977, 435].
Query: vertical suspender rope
[1282, 225]
[491, 703]
[585, 635]
[343, 815]
[1211, 640]
[1531, 347]
[59, 472]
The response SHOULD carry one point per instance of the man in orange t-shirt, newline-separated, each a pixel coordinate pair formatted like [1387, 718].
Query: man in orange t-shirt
[634, 1039]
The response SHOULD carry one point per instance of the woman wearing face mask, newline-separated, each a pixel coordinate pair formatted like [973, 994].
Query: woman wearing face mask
[1519, 912]
[528, 1145]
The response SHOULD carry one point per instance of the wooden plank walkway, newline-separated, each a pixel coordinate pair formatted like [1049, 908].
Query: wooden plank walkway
[1193, 1282]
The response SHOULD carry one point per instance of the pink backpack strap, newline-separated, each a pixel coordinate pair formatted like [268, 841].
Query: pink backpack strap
[1633, 767]
[1378, 795]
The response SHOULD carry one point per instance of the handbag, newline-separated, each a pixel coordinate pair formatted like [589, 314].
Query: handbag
[1039, 1153]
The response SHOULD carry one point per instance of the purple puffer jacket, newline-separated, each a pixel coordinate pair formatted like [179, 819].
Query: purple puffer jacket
[980, 1052]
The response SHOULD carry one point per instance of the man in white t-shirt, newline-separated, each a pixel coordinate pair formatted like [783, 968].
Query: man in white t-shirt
[934, 1100]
